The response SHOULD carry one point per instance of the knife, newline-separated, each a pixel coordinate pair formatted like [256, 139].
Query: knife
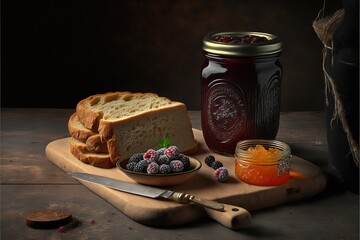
[230, 216]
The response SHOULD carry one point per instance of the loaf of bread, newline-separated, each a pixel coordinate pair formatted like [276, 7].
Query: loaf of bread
[134, 122]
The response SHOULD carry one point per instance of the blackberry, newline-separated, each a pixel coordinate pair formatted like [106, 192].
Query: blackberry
[209, 160]
[185, 160]
[130, 166]
[216, 164]
[152, 168]
[176, 166]
[164, 168]
[141, 166]
[136, 158]
[172, 152]
[163, 160]
[221, 174]
[161, 151]
[151, 155]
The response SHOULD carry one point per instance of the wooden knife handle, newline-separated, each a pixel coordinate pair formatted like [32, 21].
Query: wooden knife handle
[232, 217]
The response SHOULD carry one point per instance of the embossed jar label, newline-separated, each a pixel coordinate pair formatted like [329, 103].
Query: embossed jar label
[225, 110]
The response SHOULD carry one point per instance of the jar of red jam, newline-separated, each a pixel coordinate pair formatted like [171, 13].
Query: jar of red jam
[240, 88]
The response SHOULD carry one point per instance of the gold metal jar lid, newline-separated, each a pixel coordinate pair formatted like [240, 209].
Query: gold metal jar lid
[271, 46]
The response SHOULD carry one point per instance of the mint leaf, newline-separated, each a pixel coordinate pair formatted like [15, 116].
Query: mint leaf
[164, 143]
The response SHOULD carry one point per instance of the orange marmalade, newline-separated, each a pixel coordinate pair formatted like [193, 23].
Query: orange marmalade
[262, 162]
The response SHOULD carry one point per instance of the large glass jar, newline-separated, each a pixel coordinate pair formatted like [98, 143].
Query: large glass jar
[240, 88]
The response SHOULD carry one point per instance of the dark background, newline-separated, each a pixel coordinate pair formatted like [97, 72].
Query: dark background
[55, 53]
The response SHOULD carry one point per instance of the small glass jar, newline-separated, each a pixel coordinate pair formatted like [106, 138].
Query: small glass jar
[263, 172]
[240, 88]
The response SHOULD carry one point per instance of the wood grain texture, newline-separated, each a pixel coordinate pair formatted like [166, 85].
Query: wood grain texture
[30, 182]
[166, 213]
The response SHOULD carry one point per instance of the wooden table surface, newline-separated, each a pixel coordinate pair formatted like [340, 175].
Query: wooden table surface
[30, 182]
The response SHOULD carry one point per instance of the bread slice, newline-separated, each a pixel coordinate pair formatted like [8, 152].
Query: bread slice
[95, 144]
[92, 139]
[77, 130]
[79, 150]
[116, 105]
[134, 122]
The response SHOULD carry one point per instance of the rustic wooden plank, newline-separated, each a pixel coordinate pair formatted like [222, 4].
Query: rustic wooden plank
[24, 136]
[302, 127]
[323, 217]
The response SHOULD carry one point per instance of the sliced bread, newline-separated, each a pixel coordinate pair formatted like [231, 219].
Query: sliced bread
[77, 130]
[134, 122]
[92, 139]
[79, 150]
[116, 105]
[95, 144]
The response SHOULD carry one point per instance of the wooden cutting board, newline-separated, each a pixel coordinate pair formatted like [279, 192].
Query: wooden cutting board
[306, 180]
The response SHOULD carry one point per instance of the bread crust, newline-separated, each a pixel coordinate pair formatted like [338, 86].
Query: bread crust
[87, 117]
[101, 160]
[92, 140]
[77, 132]
[95, 144]
[114, 153]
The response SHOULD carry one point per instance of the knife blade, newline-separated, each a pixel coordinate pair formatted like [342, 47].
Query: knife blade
[230, 216]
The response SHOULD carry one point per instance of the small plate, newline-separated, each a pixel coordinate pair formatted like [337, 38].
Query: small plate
[159, 180]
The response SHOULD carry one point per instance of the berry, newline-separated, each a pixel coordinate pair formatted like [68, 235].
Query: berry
[141, 166]
[151, 155]
[221, 174]
[61, 229]
[164, 168]
[161, 151]
[130, 166]
[209, 160]
[152, 168]
[224, 38]
[172, 152]
[176, 166]
[216, 164]
[136, 157]
[239, 39]
[163, 160]
[185, 160]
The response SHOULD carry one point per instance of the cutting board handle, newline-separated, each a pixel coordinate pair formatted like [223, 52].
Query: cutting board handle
[232, 217]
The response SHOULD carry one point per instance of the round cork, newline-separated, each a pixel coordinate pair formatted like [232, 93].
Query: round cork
[46, 219]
